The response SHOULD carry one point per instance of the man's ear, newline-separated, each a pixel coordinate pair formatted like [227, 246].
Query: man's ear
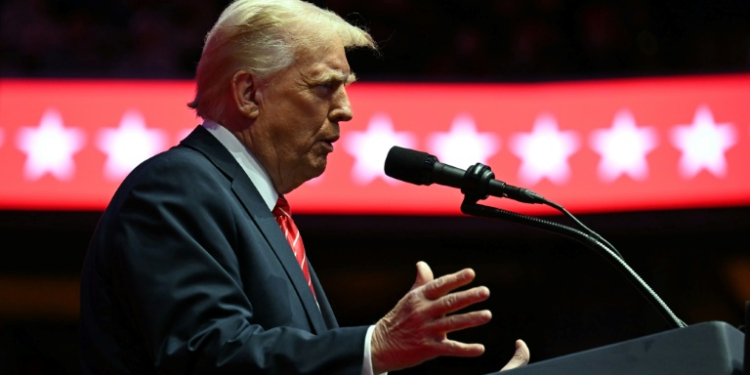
[244, 92]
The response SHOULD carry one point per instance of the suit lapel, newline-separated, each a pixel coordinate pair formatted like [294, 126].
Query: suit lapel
[201, 140]
[325, 307]
[265, 220]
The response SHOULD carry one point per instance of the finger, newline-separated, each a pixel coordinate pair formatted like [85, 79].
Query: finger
[459, 300]
[444, 284]
[520, 358]
[460, 321]
[424, 275]
[459, 349]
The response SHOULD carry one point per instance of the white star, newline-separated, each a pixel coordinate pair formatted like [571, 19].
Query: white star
[463, 146]
[128, 145]
[623, 148]
[544, 151]
[703, 144]
[50, 147]
[371, 147]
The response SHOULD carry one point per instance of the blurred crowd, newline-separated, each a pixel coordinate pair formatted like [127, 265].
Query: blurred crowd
[438, 40]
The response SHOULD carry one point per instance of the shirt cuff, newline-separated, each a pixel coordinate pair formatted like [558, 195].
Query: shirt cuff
[367, 363]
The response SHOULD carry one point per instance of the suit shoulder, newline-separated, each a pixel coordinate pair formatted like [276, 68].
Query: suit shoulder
[177, 172]
[177, 162]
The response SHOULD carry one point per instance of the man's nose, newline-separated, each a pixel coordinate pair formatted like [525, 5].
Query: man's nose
[342, 110]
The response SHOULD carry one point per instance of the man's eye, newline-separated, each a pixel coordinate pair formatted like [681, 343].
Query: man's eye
[326, 87]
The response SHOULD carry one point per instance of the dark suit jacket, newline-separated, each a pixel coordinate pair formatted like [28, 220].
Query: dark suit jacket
[188, 272]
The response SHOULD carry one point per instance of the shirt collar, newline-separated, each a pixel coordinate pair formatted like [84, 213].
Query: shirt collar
[247, 161]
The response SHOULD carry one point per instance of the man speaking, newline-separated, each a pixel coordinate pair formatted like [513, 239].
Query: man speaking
[196, 265]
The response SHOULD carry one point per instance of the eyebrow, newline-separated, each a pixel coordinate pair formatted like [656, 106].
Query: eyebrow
[337, 76]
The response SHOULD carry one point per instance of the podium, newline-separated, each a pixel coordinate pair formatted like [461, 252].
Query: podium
[711, 348]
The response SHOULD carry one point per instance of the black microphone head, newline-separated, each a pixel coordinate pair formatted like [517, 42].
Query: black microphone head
[411, 166]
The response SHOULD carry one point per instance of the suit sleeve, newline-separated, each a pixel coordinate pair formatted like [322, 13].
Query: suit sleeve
[175, 274]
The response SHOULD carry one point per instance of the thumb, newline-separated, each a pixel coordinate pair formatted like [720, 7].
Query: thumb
[424, 275]
[520, 357]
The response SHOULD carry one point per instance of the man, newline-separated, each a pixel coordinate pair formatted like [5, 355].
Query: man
[189, 270]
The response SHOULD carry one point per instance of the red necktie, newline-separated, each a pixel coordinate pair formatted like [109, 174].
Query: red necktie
[284, 217]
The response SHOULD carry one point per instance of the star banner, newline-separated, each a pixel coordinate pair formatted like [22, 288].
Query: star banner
[589, 146]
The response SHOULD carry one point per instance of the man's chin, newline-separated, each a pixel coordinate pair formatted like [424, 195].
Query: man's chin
[317, 168]
[319, 171]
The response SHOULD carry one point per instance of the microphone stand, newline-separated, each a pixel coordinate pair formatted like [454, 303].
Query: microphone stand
[475, 186]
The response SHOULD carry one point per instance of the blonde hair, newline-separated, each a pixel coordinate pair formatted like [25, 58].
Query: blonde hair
[262, 36]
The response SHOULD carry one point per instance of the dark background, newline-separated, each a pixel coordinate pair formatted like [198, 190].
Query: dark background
[558, 295]
[475, 40]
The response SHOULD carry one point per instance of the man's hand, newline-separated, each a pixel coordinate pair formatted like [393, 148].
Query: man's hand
[416, 329]
[520, 357]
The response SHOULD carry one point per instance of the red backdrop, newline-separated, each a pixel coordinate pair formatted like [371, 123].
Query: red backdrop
[592, 146]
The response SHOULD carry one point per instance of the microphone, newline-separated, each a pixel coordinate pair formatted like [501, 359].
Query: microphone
[421, 168]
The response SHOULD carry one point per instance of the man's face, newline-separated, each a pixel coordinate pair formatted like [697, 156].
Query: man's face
[299, 113]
